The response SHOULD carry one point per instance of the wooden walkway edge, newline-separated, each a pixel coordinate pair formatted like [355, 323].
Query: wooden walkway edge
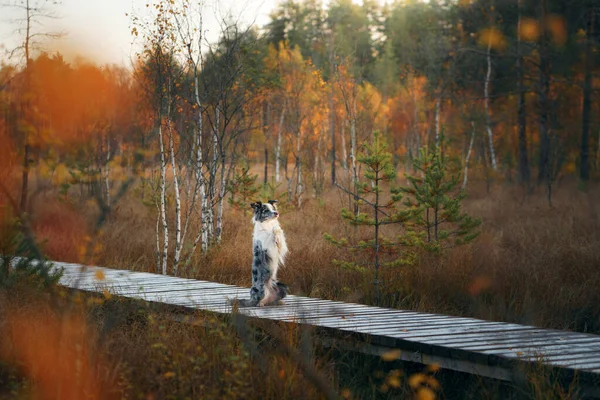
[485, 348]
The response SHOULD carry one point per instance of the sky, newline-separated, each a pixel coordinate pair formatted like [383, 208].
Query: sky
[99, 30]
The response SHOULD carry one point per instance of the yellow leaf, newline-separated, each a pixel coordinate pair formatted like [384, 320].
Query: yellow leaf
[106, 294]
[391, 355]
[169, 374]
[415, 380]
[433, 367]
[100, 275]
[394, 382]
[529, 30]
[425, 394]
[493, 38]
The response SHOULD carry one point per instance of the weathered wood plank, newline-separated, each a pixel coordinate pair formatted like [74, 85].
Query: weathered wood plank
[436, 336]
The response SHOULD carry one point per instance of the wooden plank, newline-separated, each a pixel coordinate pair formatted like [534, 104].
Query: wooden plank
[171, 288]
[363, 315]
[410, 322]
[408, 317]
[566, 357]
[529, 344]
[576, 365]
[375, 325]
[92, 280]
[198, 296]
[432, 332]
[458, 331]
[493, 337]
[467, 366]
[547, 350]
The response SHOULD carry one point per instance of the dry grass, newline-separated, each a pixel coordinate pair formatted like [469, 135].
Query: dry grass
[532, 263]
[67, 346]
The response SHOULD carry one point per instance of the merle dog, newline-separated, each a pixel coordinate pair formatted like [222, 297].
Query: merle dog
[269, 249]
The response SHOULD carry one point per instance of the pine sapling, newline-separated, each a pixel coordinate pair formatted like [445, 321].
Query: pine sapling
[382, 210]
[243, 188]
[436, 221]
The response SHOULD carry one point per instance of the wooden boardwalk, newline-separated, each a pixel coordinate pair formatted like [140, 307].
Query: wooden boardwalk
[470, 345]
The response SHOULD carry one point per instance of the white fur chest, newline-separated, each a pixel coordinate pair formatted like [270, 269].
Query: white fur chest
[271, 237]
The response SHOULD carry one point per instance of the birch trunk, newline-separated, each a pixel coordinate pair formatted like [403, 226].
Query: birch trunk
[344, 151]
[486, 95]
[208, 221]
[353, 149]
[163, 194]
[278, 148]
[200, 189]
[464, 185]
[158, 251]
[222, 186]
[332, 68]
[178, 242]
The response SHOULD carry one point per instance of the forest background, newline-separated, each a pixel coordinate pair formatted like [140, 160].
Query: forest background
[152, 167]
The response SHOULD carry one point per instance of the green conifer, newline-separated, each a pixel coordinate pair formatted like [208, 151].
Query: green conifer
[436, 221]
[379, 171]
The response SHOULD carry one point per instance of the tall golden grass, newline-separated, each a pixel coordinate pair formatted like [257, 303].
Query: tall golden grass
[531, 264]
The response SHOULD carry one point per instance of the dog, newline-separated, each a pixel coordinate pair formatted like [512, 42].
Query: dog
[269, 249]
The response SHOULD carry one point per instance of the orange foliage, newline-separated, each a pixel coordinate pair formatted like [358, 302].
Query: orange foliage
[54, 352]
[70, 104]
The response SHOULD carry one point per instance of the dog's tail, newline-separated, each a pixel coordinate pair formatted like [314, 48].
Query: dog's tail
[282, 290]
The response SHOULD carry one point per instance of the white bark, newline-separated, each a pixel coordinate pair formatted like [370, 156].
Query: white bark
[222, 187]
[163, 200]
[209, 199]
[200, 188]
[158, 264]
[344, 150]
[486, 95]
[178, 241]
[466, 173]
[353, 145]
[278, 147]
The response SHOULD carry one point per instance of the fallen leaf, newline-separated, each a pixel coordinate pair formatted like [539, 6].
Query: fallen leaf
[391, 355]
[100, 275]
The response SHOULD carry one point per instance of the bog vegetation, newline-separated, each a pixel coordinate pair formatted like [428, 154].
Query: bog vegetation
[459, 139]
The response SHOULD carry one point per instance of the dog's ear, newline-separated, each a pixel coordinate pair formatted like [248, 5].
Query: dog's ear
[273, 203]
[256, 205]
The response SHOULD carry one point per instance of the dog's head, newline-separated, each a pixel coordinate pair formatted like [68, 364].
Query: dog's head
[265, 211]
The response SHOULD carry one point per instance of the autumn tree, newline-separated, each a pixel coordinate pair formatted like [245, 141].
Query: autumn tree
[33, 14]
